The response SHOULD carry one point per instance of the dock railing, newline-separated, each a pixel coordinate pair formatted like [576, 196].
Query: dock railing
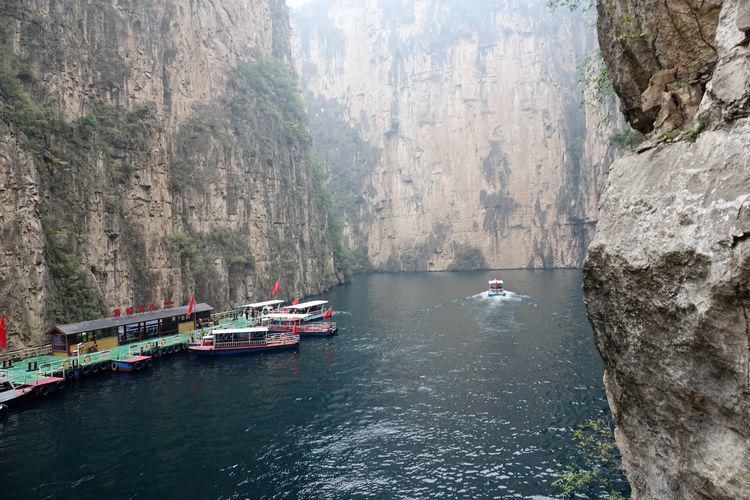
[31, 352]
[40, 369]
[227, 316]
[137, 348]
[21, 379]
[94, 358]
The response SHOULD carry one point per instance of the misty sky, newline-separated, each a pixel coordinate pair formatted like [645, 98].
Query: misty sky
[296, 3]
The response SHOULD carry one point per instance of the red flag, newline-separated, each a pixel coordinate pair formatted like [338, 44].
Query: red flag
[3, 336]
[295, 301]
[276, 288]
[328, 313]
[294, 328]
[191, 306]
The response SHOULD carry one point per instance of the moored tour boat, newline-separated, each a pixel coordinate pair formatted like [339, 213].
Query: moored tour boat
[301, 324]
[496, 288]
[243, 340]
[10, 393]
[260, 309]
[315, 309]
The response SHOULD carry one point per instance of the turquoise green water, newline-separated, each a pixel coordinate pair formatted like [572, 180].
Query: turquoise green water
[431, 389]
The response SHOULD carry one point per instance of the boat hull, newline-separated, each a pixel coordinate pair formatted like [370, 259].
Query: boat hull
[329, 333]
[45, 386]
[210, 351]
[495, 293]
[14, 397]
[134, 364]
[317, 329]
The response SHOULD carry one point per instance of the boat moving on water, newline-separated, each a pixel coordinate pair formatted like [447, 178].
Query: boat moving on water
[301, 324]
[496, 288]
[243, 340]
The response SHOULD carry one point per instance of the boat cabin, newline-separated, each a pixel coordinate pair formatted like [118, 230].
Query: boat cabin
[6, 385]
[9, 391]
[286, 319]
[235, 337]
[315, 309]
[260, 308]
[496, 285]
[106, 333]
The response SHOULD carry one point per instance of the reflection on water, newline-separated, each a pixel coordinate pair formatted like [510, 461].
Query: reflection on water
[432, 388]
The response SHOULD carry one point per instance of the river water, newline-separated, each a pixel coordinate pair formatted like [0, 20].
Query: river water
[431, 389]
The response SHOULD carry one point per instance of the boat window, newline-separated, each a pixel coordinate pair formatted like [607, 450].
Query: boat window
[5, 386]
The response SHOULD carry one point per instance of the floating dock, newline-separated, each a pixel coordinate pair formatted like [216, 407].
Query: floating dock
[113, 345]
[35, 370]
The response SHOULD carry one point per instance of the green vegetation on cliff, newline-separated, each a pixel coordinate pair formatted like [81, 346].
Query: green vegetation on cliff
[73, 297]
[252, 145]
[268, 87]
[599, 466]
[80, 163]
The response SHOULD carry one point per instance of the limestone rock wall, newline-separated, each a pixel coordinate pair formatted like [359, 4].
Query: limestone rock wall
[151, 148]
[667, 278]
[454, 132]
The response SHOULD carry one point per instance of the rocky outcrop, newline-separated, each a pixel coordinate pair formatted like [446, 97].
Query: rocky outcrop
[667, 279]
[454, 132]
[151, 148]
[660, 54]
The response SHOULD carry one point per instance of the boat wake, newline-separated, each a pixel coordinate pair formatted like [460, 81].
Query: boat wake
[508, 297]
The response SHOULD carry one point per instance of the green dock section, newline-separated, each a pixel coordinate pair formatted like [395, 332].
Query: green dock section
[32, 369]
[27, 370]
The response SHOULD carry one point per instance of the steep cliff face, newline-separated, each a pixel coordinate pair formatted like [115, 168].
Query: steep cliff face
[147, 148]
[667, 277]
[453, 131]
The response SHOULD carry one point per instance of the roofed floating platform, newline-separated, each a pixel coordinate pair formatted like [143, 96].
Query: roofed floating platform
[104, 344]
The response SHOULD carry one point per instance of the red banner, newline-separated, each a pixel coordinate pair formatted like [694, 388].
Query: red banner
[191, 306]
[3, 334]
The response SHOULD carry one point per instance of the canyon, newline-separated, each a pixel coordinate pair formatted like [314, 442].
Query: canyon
[152, 150]
[456, 135]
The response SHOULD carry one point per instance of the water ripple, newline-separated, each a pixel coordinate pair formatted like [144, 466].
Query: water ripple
[430, 390]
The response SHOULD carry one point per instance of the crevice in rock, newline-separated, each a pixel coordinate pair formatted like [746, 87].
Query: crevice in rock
[700, 27]
[747, 332]
[737, 239]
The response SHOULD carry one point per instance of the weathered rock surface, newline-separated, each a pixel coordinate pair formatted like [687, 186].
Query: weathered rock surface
[660, 54]
[144, 153]
[453, 131]
[667, 278]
